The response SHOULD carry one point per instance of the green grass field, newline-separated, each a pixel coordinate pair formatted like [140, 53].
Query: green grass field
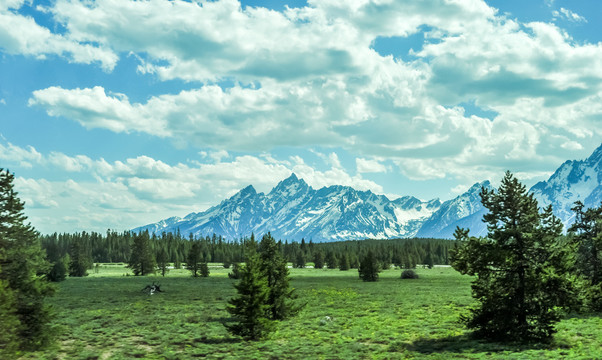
[106, 316]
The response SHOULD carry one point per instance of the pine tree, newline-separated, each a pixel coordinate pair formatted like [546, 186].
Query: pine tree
[331, 260]
[9, 322]
[142, 258]
[300, 260]
[587, 243]
[318, 259]
[80, 261]
[193, 260]
[344, 262]
[204, 269]
[22, 265]
[517, 286]
[274, 267]
[250, 307]
[162, 261]
[369, 269]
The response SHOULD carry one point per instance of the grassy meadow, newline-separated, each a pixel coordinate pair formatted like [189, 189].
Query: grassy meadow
[107, 316]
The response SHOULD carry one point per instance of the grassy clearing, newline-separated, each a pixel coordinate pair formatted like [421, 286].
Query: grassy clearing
[106, 316]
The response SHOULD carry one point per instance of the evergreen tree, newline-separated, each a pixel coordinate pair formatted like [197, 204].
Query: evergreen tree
[344, 262]
[80, 261]
[331, 260]
[236, 272]
[587, 243]
[250, 307]
[193, 260]
[318, 259]
[300, 260]
[142, 259]
[9, 322]
[369, 269]
[273, 265]
[204, 269]
[517, 286]
[162, 261]
[22, 268]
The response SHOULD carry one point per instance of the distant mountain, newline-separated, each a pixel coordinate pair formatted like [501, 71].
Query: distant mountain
[574, 180]
[294, 210]
[465, 211]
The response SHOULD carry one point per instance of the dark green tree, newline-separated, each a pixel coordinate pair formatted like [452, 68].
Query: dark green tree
[250, 308]
[517, 286]
[9, 322]
[369, 269]
[204, 269]
[236, 272]
[23, 267]
[331, 260]
[162, 261]
[586, 241]
[273, 265]
[193, 260]
[300, 260]
[344, 262]
[142, 258]
[80, 261]
[318, 259]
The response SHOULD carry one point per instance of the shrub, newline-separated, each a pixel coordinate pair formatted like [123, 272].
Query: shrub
[409, 274]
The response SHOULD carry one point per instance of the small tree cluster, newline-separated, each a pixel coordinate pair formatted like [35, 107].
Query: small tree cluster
[369, 268]
[264, 294]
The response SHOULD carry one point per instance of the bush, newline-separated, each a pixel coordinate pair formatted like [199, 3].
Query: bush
[409, 274]
[236, 271]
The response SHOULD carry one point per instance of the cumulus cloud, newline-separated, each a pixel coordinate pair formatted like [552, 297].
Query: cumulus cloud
[369, 166]
[21, 35]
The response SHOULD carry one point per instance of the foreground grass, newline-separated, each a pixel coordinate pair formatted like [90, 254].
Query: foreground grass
[106, 316]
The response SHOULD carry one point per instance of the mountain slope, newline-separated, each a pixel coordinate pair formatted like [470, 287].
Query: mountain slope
[574, 180]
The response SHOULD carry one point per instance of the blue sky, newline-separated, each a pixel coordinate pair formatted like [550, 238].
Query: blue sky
[115, 114]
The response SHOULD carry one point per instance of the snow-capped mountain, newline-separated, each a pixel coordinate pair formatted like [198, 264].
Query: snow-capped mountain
[294, 210]
[574, 180]
[465, 211]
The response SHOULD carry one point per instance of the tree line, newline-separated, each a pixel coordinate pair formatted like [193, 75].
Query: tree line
[75, 254]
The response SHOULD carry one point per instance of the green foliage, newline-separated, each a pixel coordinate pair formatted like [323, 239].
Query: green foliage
[318, 260]
[409, 274]
[80, 261]
[300, 260]
[586, 241]
[9, 321]
[344, 262]
[142, 257]
[331, 260]
[162, 261]
[273, 265]
[193, 260]
[369, 269]
[517, 286]
[236, 272]
[250, 307]
[204, 269]
[22, 268]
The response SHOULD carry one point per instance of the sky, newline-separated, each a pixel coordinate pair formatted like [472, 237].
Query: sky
[117, 113]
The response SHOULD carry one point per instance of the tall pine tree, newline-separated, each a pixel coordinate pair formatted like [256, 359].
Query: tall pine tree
[142, 258]
[22, 268]
[517, 286]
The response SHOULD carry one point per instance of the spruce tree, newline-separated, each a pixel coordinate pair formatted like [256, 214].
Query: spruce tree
[193, 260]
[9, 322]
[162, 261]
[142, 258]
[331, 260]
[318, 259]
[369, 269]
[80, 262]
[517, 287]
[204, 269]
[274, 267]
[344, 262]
[250, 308]
[586, 241]
[22, 268]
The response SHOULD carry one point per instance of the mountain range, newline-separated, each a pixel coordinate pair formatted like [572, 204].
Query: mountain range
[294, 210]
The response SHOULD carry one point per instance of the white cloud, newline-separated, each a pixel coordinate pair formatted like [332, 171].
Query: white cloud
[22, 35]
[25, 157]
[568, 15]
[369, 166]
